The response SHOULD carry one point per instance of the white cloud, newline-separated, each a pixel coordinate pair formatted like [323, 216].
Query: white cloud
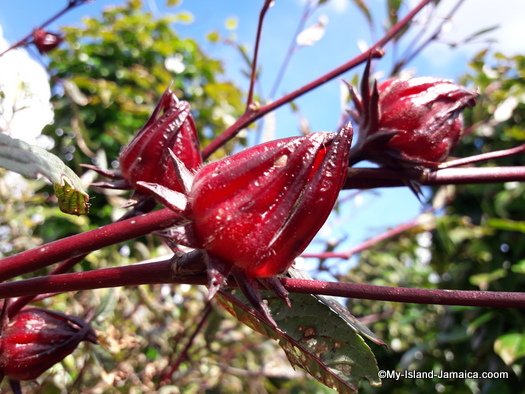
[474, 16]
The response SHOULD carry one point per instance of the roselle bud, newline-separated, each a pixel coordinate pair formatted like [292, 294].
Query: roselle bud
[35, 339]
[415, 122]
[46, 41]
[146, 158]
[260, 208]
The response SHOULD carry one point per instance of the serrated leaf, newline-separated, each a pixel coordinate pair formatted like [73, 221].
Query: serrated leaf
[334, 354]
[510, 347]
[32, 161]
[340, 311]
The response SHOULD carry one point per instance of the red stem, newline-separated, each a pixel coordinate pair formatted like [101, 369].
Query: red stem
[252, 114]
[264, 9]
[86, 242]
[184, 354]
[368, 243]
[162, 272]
[24, 41]
[368, 178]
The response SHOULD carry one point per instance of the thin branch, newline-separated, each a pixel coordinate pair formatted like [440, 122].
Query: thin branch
[26, 40]
[266, 6]
[368, 178]
[408, 57]
[483, 157]
[86, 242]
[307, 11]
[368, 243]
[184, 354]
[252, 115]
[130, 275]
[162, 272]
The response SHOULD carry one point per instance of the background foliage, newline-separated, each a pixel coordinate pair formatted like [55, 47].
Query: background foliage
[107, 77]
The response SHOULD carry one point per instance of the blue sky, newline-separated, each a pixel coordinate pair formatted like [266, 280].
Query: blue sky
[345, 31]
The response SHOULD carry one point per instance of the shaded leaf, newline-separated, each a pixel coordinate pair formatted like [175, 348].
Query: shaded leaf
[32, 161]
[510, 347]
[334, 354]
[339, 310]
[481, 32]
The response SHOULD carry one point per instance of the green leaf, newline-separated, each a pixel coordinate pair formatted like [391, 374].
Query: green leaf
[519, 267]
[483, 280]
[506, 224]
[32, 161]
[364, 9]
[510, 347]
[339, 310]
[332, 352]
[393, 9]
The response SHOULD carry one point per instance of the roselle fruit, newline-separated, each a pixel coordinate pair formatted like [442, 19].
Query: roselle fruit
[260, 208]
[46, 41]
[256, 211]
[146, 158]
[408, 123]
[35, 339]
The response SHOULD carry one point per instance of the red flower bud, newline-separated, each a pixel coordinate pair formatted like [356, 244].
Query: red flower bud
[256, 211]
[46, 41]
[35, 339]
[146, 158]
[409, 122]
[260, 208]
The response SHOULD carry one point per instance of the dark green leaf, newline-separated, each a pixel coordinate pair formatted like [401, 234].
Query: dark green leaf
[332, 353]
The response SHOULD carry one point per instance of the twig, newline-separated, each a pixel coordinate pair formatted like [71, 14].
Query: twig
[250, 116]
[368, 243]
[161, 272]
[483, 157]
[24, 41]
[79, 244]
[307, 11]
[368, 178]
[266, 6]
[184, 354]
